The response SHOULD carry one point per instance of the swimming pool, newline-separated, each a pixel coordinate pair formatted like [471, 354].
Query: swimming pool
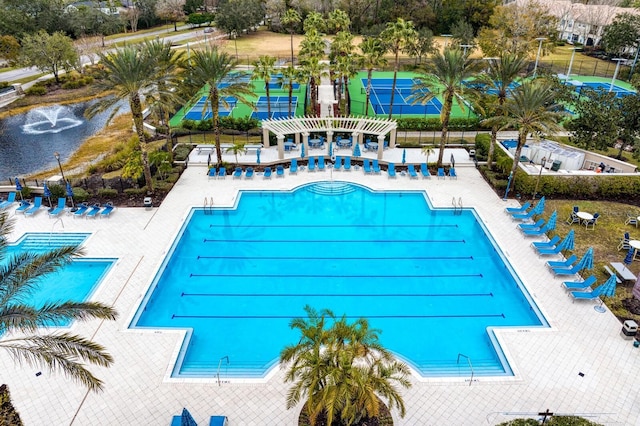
[432, 281]
[76, 281]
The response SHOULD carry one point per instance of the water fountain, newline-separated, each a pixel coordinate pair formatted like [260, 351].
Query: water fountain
[51, 119]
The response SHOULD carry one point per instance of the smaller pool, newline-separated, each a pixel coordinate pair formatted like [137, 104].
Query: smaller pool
[75, 282]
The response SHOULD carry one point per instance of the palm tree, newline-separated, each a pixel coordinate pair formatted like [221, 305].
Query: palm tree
[163, 102]
[313, 70]
[446, 72]
[397, 36]
[427, 150]
[263, 69]
[20, 324]
[373, 50]
[288, 77]
[129, 74]
[208, 68]
[237, 148]
[498, 79]
[341, 369]
[531, 109]
[342, 63]
[291, 19]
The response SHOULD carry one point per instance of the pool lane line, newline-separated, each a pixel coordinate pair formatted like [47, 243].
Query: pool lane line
[336, 258]
[345, 316]
[335, 295]
[413, 240]
[400, 225]
[332, 276]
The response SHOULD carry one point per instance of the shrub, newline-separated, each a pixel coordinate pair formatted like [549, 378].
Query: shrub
[181, 152]
[36, 91]
[8, 414]
[173, 177]
[135, 191]
[108, 193]
[57, 191]
[80, 195]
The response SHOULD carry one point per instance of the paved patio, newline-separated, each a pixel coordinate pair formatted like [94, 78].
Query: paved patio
[580, 365]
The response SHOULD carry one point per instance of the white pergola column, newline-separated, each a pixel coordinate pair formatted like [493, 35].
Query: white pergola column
[329, 139]
[297, 138]
[280, 147]
[265, 137]
[354, 137]
[305, 142]
[392, 138]
[380, 146]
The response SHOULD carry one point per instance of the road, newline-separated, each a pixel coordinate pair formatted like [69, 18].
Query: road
[168, 35]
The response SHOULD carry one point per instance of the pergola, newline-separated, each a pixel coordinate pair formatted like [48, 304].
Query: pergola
[304, 126]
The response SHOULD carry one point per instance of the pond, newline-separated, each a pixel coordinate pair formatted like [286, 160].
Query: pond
[28, 141]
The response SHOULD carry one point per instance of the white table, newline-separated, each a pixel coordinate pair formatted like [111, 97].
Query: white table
[635, 245]
[315, 143]
[584, 216]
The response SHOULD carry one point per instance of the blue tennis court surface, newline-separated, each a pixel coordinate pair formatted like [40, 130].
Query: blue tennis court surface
[380, 97]
[604, 87]
[433, 282]
[279, 107]
[484, 87]
[201, 110]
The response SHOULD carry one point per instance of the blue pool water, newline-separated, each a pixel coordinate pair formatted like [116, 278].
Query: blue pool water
[75, 282]
[430, 280]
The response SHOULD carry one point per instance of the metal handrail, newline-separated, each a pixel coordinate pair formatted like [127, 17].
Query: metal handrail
[470, 365]
[220, 364]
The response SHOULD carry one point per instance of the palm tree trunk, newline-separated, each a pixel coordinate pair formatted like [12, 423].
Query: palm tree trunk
[138, 122]
[347, 97]
[339, 92]
[492, 145]
[291, 32]
[393, 86]
[266, 87]
[290, 95]
[215, 98]
[446, 113]
[369, 77]
[522, 139]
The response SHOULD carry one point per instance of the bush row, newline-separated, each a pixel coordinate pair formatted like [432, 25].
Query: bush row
[242, 124]
[433, 124]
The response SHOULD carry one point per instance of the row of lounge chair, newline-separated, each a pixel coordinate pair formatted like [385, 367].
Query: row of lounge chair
[30, 209]
[95, 210]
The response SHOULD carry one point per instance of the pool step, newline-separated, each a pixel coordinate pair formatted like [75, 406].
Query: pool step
[331, 188]
[50, 240]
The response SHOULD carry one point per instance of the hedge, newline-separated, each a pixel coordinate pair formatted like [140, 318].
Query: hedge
[421, 123]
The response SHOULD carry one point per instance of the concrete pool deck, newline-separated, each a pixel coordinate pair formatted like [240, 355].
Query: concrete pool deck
[581, 365]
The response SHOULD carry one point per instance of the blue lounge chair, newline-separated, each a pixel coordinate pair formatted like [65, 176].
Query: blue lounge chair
[524, 216]
[24, 205]
[452, 173]
[237, 173]
[82, 209]
[518, 210]
[588, 295]
[366, 166]
[107, 210]
[37, 203]
[93, 211]
[546, 244]
[59, 208]
[347, 164]
[10, 200]
[222, 173]
[338, 163]
[536, 232]
[376, 167]
[279, 171]
[391, 171]
[249, 173]
[441, 174]
[267, 173]
[424, 170]
[293, 170]
[567, 271]
[549, 251]
[579, 285]
[563, 263]
[212, 173]
[529, 226]
[412, 171]
[312, 164]
[321, 163]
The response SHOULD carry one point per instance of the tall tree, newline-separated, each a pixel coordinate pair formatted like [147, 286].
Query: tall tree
[171, 10]
[209, 68]
[49, 53]
[397, 36]
[373, 50]
[311, 52]
[291, 20]
[596, 121]
[421, 45]
[263, 69]
[498, 82]
[23, 326]
[532, 109]
[341, 369]
[129, 74]
[445, 73]
[622, 33]
[338, 21]
[289, 76]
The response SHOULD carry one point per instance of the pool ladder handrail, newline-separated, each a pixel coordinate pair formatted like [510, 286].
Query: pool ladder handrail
[470, 365]
[457, 206]
[219, 365]
[208, 205]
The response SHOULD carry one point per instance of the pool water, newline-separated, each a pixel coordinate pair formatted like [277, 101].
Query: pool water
[75, 282]
[432, 281]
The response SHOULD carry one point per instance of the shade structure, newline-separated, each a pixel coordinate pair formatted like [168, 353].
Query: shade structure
[539, 207]
[258, 156]
[18, 187]
[609, 287]
[47, 193]
[302, 151]
[551, 223]
[356, 150]
[186, 419]
[628, 259]
[70, 193]
[404, 156]
[587, 260]
[569, 241]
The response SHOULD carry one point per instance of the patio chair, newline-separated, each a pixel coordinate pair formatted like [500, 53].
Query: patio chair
[37, 204]
[624, 242]
[424, 170]
[531, 226]
[573, 217]
[93, 211]
[249, 173]
[546, 244]
[293, 169]
[441, 174]
[24, 205]
[567, 263]
[10, 200]
[107, 210]
[347, 164]
[579, 285]
[366, 166]
[412, 171]
[279, 171]
[592, 223]
[212, 173]
[391, 171]
[237, 173]
[452, 173]
[376, 167]
[62, 202]
[518, 210]
[631, 219]
[267, 173]
[587, 295]
[222, 173]
[82, 209]
[321, 163]
[338, 163]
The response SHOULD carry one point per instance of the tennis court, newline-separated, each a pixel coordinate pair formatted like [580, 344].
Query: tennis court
[279, 107]
[201, 110]
[380, 98]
